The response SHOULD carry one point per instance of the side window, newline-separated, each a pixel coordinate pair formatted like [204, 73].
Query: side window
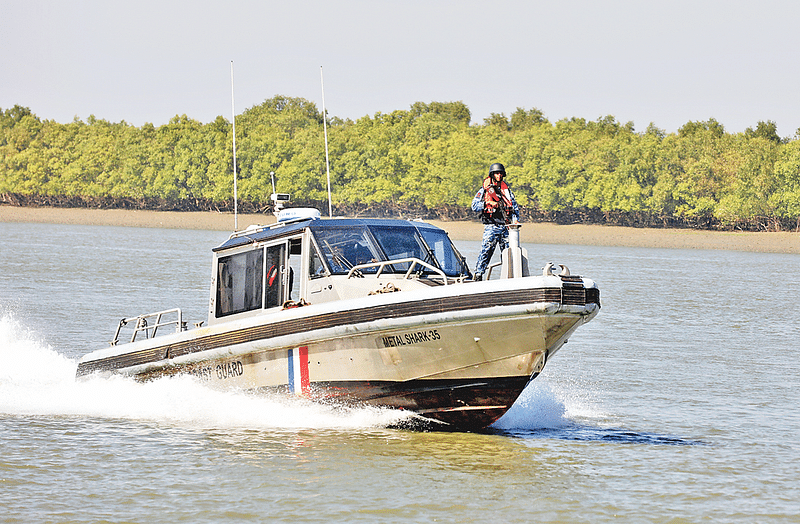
[276, 273]
[316, 268]
[295, 258]
[449, 260]
[240, 280]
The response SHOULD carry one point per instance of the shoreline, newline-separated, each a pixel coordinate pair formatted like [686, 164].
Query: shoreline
[531, 233]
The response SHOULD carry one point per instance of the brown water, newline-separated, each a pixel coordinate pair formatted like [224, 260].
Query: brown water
[678, 403]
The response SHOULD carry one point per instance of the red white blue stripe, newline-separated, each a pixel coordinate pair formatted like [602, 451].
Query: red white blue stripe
[298, 371]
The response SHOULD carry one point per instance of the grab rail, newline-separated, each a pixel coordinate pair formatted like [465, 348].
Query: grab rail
[143, 325]
[490, 268]
[383, 263]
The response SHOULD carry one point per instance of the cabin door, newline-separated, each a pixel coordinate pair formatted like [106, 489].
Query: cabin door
[275, 278]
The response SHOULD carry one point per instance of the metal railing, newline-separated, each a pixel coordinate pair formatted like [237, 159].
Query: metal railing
[150, 329]
[381, 265]
[491, 267]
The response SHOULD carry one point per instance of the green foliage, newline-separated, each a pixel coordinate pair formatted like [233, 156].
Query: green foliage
[428, 156]
[767, 130]
[454, 112]
[711, 127]
[498, 120]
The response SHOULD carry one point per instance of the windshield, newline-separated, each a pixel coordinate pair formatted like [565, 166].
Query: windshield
[450, 260]
[346, 247]
[402, 242]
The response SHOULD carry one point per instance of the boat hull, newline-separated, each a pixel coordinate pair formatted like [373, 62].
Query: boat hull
[461, 359]
[450, 403]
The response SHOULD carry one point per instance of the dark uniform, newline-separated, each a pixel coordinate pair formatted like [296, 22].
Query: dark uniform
[497, 206]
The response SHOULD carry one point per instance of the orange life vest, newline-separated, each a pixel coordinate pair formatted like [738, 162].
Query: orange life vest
[497, 198]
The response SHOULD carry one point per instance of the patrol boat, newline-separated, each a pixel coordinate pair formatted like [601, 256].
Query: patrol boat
[371, 312]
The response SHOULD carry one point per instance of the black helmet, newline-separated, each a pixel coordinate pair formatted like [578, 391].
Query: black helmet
[497, 168]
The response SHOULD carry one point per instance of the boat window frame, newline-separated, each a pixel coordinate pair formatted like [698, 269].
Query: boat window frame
[282, 271]
[296, 266]
[313, 248]
[464, 269]
[354, 227]
[226, 261]
[420, 240]
[371, 233]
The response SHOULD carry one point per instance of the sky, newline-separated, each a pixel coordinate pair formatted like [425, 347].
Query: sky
[662, 62]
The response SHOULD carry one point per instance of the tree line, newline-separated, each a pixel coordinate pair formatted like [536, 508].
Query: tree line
[425, 161]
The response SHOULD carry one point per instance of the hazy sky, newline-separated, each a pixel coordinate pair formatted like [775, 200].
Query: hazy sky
[666, 62]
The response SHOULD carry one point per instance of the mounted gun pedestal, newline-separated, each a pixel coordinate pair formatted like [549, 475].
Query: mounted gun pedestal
[515, 258]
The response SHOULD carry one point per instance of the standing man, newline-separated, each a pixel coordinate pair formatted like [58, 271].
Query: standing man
[497, 206]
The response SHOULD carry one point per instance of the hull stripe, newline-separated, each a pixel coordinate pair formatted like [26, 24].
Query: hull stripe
[578, 296]
[298, 371]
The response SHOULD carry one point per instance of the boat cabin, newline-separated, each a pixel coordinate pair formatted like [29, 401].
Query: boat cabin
[311, 261]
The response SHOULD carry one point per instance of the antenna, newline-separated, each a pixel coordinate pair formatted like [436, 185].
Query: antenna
[325, 127]
[235, 197]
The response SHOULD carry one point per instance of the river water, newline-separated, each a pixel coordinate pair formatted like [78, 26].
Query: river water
[677, 403]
